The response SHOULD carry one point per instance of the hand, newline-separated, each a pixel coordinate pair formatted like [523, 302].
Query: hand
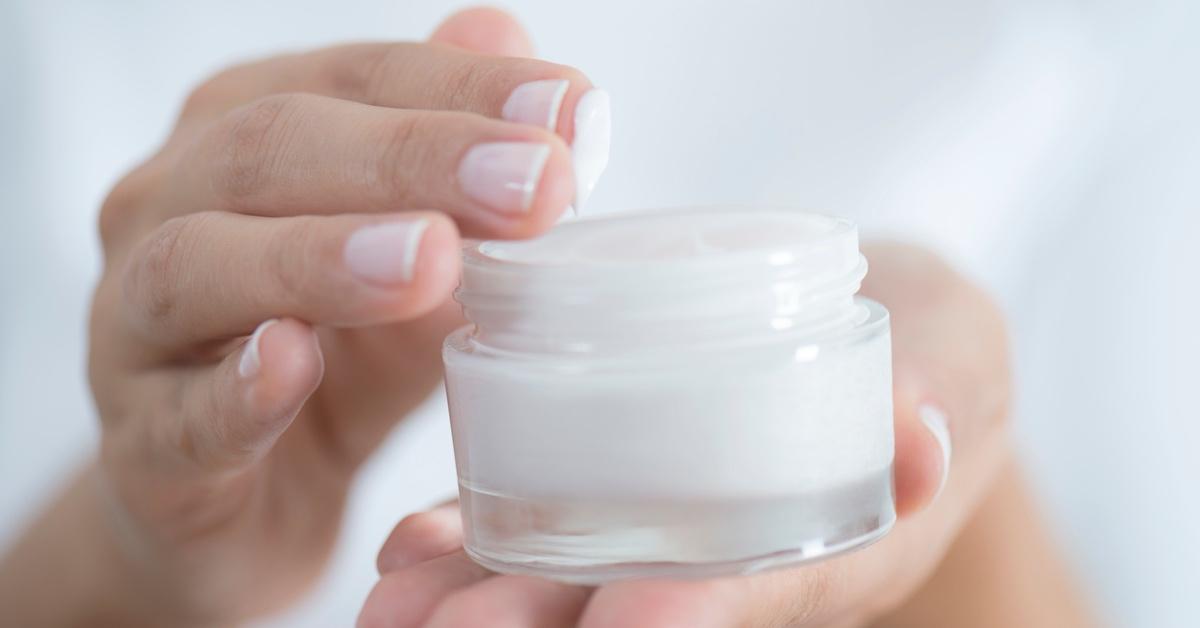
[951, 392]
[276, 292]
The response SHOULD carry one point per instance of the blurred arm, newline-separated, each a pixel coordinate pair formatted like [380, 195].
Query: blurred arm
[65, 569]
[1004, 570]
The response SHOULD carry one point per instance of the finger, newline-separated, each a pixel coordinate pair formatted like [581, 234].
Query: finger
[804, 596]
[847, 590]
[420, 537]
[408, 597]
[950, 369]
[661, 604]
[231, 414]
[485, 30]
[512, 602]
[924, 449]
[850, 588]
[213, 276]
[406, 76]
[303, 154]
[416, 76]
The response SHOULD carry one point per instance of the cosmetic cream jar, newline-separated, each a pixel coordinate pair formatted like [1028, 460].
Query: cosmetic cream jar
[679, 393]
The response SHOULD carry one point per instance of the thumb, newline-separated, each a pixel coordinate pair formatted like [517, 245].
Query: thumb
[231, 414]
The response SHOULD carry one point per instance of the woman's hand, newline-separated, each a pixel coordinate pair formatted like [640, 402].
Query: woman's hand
[951, 393]
[275, 295]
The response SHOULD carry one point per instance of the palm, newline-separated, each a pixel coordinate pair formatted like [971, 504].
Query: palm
[373, 377]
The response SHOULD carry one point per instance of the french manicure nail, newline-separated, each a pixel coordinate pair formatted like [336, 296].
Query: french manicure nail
[251, 361]
[536, 103]
[593, 131]
[385, 253]
[935, 421]
[503, 175]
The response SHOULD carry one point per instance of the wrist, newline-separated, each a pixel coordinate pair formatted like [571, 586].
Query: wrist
[70, 567]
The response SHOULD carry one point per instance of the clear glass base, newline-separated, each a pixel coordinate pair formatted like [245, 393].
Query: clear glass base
[595, 541]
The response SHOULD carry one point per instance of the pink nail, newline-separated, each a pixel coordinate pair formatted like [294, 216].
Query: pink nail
[536, 103]
[503, 175]
[385, 253]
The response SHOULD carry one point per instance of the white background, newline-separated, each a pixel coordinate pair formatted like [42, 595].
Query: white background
[1049, 148]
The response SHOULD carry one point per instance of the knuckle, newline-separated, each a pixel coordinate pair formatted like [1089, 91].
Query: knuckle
[351, 74]
[291, 258]
[151, 282]
[214, 93]
[250, 142]
[363, 73]
[219, 91]
[204, 97]
[403, 153]
[463, 83]
[119, 207]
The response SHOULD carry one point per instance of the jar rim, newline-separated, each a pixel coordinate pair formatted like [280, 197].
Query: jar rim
[509, 256]
[729, 272]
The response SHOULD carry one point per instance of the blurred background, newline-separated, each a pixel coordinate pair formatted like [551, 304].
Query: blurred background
[1049, 148]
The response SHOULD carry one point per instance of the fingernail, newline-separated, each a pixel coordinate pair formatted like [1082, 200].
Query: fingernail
[250, 363]
[536, 102]
[593, 131]
[504, 175]
[935, 421]
[385, 253]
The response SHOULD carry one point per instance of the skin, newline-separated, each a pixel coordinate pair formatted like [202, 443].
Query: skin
[216, 497]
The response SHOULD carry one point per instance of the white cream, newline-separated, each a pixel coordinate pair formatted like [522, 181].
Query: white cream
[589, 149]
[676, 393]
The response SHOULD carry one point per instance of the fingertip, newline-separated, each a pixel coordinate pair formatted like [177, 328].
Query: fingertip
[554, 194]
[421, 536]
[486, 30]
[256, 394]
[580, 87]
[291, 366]
[558, 186]
[438, 262]
[922, 458]
[403, 266]
[553, 189]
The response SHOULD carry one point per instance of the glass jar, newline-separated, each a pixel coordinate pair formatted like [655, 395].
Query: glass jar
[673, 393]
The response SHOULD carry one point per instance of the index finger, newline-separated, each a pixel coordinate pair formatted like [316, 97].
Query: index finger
[431, 77]
[407, 75]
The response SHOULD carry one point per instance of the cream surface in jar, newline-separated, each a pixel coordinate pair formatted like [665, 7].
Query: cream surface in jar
[671, 393]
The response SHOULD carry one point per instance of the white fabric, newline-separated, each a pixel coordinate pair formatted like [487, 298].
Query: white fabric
[1048, 148]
